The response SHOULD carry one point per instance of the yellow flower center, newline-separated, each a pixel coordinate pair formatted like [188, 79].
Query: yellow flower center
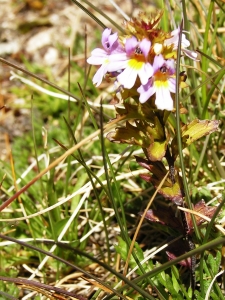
[161, 77]
[135, 63]
[161, 83]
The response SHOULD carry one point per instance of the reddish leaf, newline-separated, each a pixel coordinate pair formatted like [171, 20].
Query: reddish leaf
[184, 263]
[146, 177]
[179, 248]
[202, 208]
[164, 216]
[170, 190]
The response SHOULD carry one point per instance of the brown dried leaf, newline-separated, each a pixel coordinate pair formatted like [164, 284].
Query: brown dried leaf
[130, 135]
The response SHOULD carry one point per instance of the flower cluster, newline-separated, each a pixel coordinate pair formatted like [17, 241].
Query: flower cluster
[143, 60]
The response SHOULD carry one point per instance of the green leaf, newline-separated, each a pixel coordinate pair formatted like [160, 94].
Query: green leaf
[155, 129]
[218, 260]
[60, 225]
[157, 150]
[175, 276]
[198, 296]
[197, 129]
[214, 296]
[171, 289]
[173, 192]
[214, 262]
[190, 292]
[123, 250]
[194, 131]
[162, 278]
[148, 132]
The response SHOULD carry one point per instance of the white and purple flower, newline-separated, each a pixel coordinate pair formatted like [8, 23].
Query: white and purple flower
[162, 83]
[137, 63]
[174, 40]
[110, 58]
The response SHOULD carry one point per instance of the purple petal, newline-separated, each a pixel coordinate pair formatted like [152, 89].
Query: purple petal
[146, 91]
[117, 61]
[130, 45]
[117, 57]
[145, 46]
[170, 65]
[175, 32]
[175, 39]
[184, 42]
[117, 66]
[145, 73]
[105, 36]
[113, 44]
[158, 62]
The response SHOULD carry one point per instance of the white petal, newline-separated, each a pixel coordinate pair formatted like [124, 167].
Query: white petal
[127, 77]
[145, 94]
[97, 79]
[163, 99]
[145, 73]
[191, 54]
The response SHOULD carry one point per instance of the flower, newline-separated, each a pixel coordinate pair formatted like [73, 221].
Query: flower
[162, 83]
[109, 57]
[137, 63]
[174, 40]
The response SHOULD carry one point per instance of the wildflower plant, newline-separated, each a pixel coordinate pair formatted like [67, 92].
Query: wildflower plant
[142, 63]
